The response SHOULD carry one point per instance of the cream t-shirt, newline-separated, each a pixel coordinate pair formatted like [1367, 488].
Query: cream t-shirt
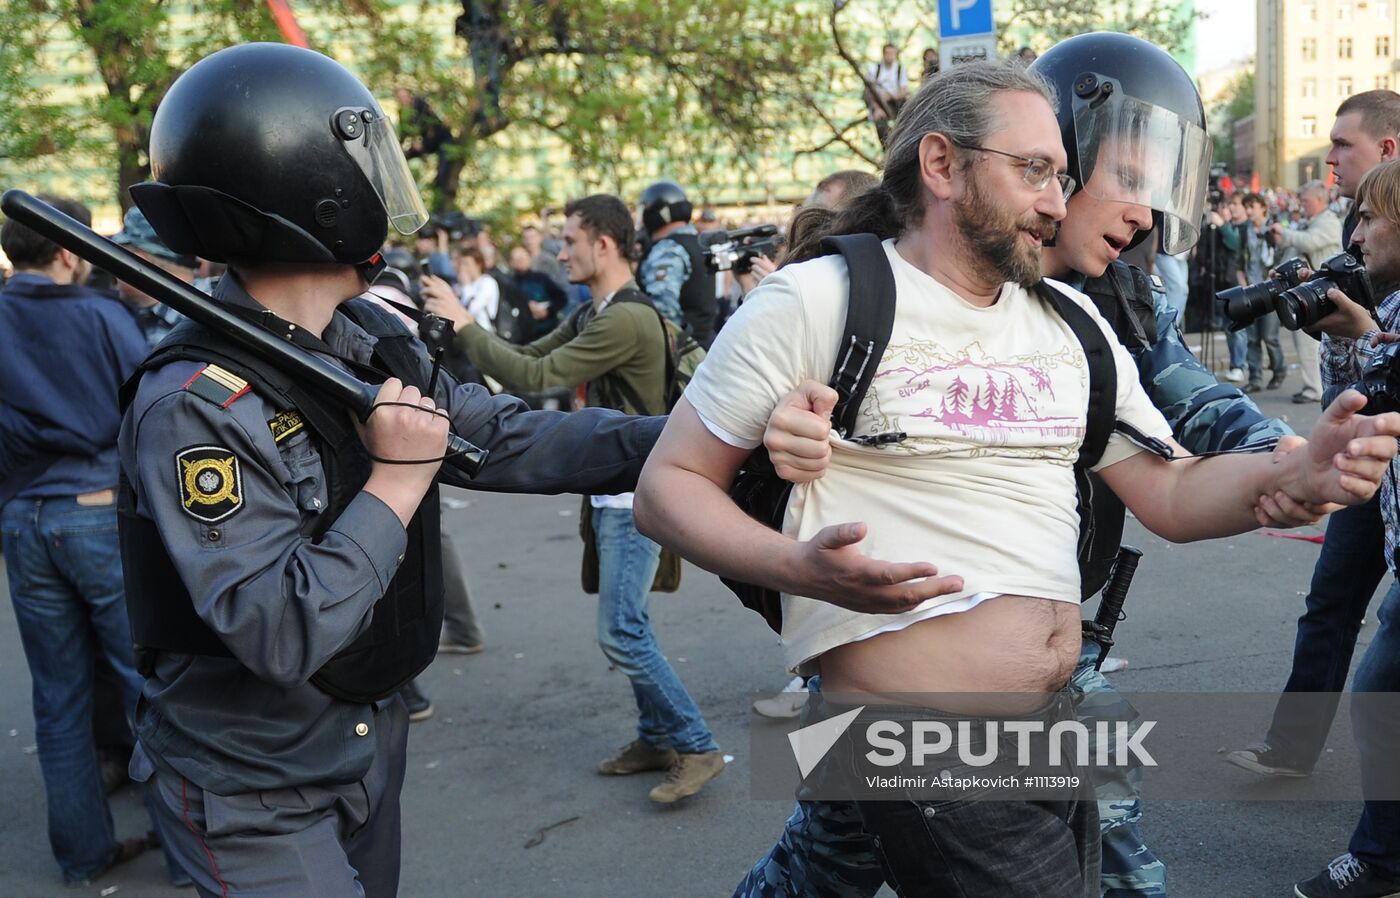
[994, 402]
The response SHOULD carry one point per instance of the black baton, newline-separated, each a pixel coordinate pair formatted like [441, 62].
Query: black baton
[1111, 601]
[283, 355]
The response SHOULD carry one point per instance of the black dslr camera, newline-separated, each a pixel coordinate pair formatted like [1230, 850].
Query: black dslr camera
[1299, 303]
[1380, 381]
[737, 249]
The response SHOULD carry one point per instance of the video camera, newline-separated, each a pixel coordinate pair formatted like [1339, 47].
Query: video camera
[455, 223]
[1215, 194]
[1299, 303]
[737, 249]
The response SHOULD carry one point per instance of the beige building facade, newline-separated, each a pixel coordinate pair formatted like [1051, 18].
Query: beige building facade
[1312, 55]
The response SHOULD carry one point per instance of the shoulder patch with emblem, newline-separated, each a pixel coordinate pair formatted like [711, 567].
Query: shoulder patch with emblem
[284, 424]
[216, 385]
[211, 483]
[660, 273]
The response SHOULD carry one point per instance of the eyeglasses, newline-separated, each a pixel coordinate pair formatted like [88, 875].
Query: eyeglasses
[1038, 173]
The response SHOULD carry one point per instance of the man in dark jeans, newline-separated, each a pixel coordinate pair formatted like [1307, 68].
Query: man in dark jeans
[1345, 578]
[1352, 562]
[69, 351]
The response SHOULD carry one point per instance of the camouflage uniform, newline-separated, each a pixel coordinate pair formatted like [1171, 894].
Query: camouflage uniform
[824, 851]
[664, 272]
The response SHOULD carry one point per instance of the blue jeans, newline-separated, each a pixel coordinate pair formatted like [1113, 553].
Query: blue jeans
[1263, 334]
[827, 849]
[1349, 568]
[627, 562]
[1172, 271]
[1238, 342]
[65, 578]
[1377, 837]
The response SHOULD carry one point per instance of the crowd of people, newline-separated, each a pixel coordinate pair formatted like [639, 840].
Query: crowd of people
[247, 651]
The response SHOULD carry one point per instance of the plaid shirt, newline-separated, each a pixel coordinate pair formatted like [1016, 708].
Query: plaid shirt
[1342, 362]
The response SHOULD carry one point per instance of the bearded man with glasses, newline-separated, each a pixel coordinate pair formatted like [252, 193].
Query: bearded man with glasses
[976, 498]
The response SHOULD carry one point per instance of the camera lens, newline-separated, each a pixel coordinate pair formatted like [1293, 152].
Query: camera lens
[1243, 305]
[1305, 304]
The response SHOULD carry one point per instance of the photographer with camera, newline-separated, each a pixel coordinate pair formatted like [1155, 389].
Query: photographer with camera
[1350, 565]
[1256, 258]
[1371, 866]
[1314, 242]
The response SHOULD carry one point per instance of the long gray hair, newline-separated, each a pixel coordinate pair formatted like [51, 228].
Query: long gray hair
[957, 103]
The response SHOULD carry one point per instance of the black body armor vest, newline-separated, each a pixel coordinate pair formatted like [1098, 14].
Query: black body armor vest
[1125, 296]
[403, 634]
[698, 303]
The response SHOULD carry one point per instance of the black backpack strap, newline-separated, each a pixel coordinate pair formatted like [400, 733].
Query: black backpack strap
[869, 321]
[1103, 374]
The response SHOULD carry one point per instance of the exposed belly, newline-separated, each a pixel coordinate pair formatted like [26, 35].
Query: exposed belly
[1008, 644]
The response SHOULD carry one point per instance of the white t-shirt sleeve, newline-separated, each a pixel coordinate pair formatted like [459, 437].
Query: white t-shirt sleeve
[761, 355]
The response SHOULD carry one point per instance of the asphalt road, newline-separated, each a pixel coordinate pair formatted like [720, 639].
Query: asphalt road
[501, 798]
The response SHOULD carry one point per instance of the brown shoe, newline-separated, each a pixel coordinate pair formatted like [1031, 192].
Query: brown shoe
[638, 756]
[688, 775]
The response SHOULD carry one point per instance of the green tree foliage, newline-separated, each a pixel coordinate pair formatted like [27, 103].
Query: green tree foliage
[628, 87]
[1236, 103]
[1041, 25]
[131, 51]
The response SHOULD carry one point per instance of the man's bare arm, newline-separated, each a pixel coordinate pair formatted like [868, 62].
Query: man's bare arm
[682, 502]
[1205, 498]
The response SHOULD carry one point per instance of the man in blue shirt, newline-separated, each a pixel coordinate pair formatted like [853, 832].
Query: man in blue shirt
[70, 350]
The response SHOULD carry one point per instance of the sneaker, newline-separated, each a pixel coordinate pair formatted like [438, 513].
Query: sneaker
[688, 775]
[1264, 759]
[1347, 877]
[636, 757]
[1304, 396]
[1252, 387]
[1277, 380]
[460, 648]
[785, 704]
[419, 707]
[1235, 375]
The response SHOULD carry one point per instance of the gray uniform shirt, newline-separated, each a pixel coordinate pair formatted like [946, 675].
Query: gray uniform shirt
[283, 603]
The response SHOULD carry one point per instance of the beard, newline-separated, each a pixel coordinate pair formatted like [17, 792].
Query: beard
[993, 237]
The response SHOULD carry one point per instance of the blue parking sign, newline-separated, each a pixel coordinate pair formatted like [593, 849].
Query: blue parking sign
[962, 18]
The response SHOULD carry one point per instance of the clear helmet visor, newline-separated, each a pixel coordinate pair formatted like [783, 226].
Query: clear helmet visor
[1131, 151]
[369, 138]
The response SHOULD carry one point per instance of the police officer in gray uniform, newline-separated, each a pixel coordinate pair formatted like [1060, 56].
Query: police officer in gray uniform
[282, 567]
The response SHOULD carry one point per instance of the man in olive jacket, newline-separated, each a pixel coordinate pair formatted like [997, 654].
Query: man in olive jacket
[617, 346]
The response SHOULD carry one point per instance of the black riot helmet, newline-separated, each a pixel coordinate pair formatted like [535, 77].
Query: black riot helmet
[272, 153]
[1134, 128]
[663, 203]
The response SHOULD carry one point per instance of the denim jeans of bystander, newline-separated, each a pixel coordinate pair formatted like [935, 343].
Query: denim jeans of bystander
[627, 563]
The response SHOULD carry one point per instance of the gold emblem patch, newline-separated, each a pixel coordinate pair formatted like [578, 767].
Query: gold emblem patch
[284, 425]
[211, 484]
